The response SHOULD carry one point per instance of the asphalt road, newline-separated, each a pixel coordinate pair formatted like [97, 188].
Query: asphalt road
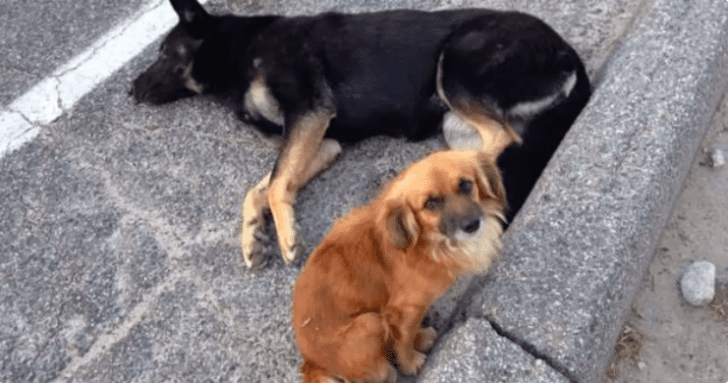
[118, 223]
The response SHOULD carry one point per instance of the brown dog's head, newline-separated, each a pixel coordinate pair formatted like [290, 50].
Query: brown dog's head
[448, 206]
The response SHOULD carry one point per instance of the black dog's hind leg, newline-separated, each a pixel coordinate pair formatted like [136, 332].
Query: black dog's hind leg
[299, 163]
[511, 80]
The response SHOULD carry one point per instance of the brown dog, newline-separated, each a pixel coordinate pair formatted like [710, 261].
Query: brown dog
[365, 290]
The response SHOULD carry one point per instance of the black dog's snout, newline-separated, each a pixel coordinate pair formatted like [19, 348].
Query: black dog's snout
[470, 224]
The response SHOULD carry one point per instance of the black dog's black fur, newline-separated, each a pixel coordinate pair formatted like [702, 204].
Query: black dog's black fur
[393, 73]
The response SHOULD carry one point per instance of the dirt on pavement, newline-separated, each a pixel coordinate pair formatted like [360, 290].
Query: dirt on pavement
[666, 339]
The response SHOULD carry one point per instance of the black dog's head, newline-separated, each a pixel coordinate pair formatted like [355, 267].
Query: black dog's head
[171, 76]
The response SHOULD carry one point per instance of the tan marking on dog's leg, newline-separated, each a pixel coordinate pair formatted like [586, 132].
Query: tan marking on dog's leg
[495, 132]
[254, 205]
[296, 164]
[328, 151]
[459, 134]
[190, 82]
[495, 135]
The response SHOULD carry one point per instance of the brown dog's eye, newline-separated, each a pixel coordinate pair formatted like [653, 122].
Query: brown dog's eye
[465, 187]
[433, 203]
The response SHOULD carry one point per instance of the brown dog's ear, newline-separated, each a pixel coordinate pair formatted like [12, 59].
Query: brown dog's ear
[402, 226]
[489, 178]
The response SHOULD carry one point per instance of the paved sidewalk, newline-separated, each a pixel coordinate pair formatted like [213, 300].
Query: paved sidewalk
[118, 227]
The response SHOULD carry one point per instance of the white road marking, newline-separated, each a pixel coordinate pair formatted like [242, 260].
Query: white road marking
[21, 121]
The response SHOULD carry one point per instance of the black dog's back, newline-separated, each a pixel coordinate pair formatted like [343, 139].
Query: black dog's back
[380, 66]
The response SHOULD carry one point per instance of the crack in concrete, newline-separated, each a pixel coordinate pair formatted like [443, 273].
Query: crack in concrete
[36, 106]
[107, 340]
[57, 93]
[59, 99]
[115, 33]
[171, 240]
[460, 315]
[530, 349]
[15, 128]
[20, 113]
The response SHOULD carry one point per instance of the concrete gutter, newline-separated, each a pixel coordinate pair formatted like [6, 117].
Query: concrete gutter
[118, 222]
[575, 255]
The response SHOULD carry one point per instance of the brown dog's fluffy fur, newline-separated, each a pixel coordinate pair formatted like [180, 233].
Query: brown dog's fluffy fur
[365, 290]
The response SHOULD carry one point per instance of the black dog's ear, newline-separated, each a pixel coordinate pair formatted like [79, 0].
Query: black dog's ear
[192, 16]
[402, 227]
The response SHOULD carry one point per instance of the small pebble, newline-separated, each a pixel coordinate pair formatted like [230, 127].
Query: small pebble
[698, 283]
[717, 159]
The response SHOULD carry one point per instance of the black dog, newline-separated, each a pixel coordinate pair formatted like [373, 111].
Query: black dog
[487, 78]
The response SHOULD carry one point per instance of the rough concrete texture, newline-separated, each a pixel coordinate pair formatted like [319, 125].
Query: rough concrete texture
[575, 256]
[30, 51]
[119, 222]
[474, 353]
[664, 338]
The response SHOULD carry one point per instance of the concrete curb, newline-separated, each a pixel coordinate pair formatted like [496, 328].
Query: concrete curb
[575, 255]
[118, 227]
[484, 356]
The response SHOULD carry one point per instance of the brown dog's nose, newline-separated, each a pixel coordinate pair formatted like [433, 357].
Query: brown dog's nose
[470, 224]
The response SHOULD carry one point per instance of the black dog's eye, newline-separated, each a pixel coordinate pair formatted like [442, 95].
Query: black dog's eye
[465, 187]
[433, 203]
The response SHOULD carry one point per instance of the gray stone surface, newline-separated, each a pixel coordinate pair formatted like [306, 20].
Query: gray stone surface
[574, 257]
[697, 283]
[38, 36]
[474, 353]
[119, 242]
[118, 223]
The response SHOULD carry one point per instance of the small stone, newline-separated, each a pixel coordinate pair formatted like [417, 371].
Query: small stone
[641, 365]
[698, 283]
[717, 159]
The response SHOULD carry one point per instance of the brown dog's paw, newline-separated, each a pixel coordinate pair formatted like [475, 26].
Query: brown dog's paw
[411, 364]
[391, 376]
[312, 373]
[425, 339]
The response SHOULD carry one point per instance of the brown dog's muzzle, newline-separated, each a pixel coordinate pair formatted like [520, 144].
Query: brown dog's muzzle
[461, 217]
